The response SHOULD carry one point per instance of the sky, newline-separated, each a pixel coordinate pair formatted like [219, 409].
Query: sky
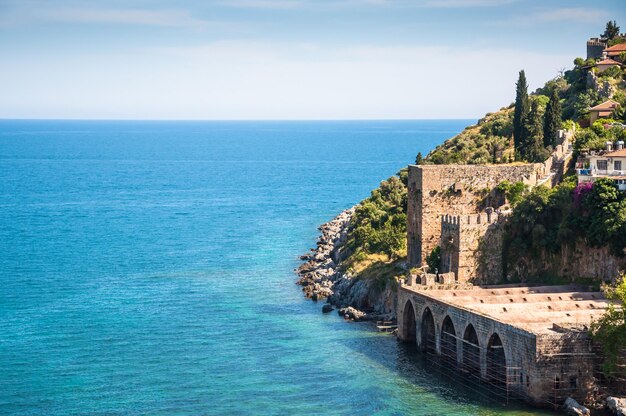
[284, 59]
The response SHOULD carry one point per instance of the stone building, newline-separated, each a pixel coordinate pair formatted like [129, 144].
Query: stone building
[595, 48]
[602, 110]
[456, 208]
[609, 164]
[530, 343]
[435, 191]
[607, 63]
[461, 238]
[526, 342]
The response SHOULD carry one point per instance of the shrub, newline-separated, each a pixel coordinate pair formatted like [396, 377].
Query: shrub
[610, 329]
[434, 260]
[379, 222]
[513, 192]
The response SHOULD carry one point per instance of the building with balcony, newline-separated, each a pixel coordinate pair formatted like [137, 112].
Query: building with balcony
[608, 164]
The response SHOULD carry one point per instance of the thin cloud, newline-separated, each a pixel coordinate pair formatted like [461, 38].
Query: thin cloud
[299, 4]
[167, 18]
[459, 4]
[263, 4]
[571, 14]
[174, 18]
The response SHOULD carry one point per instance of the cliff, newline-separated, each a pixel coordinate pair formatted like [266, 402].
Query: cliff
[572, 263]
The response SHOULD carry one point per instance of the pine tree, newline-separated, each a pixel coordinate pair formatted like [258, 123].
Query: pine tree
[522, 105]
[419, 159]
[611, 30]
[552, 119]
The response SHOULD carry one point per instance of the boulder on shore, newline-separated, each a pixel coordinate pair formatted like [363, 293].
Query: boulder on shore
[573, 408]
[352, 314]
[327, 308]
[616, 405]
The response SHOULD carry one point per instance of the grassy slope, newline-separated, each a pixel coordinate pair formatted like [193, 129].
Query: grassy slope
[489, 141]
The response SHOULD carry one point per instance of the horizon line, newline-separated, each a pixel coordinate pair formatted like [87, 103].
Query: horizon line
[238, 120]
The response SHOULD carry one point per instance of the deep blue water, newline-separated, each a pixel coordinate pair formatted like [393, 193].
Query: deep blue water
[146, 268]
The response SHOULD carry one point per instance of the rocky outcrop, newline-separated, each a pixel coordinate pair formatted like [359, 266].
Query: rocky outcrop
[601, 86]
[322, 279]
[320, 270]
[366, 295]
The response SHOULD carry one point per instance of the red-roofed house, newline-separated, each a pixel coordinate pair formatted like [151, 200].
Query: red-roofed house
[615, 50]
[602, 110]
[606, 64]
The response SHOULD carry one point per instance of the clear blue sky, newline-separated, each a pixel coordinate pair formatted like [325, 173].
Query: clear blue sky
[284, 59]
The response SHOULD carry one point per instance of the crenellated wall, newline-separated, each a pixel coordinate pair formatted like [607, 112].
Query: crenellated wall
[444, 204]
[457, 190]
[461, 239]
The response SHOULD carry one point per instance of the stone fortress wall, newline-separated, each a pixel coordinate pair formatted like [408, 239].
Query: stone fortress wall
[445, 204]
[435, 191]
[461, 239]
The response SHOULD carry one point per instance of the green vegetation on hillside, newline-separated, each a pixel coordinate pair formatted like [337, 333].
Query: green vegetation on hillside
[490, 141]
[546, 220]
[377, 232]
[526, 130]
[610, 330]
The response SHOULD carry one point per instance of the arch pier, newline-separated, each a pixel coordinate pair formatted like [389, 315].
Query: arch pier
[515, 339]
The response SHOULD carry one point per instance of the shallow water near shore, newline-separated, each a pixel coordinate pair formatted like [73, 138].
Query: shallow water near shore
[146, 268]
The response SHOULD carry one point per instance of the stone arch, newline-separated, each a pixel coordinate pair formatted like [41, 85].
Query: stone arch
[428, 339]
[409, 327]
[471, 350]
[448, 341]
[496, 361]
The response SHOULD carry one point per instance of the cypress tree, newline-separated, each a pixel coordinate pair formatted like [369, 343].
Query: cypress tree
[532, 132]
[522, 105]
[552, 119]
[419, 159]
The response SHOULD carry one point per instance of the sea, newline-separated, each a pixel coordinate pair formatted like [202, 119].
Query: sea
[146, 268]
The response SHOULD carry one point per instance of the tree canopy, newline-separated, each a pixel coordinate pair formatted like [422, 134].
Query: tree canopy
[522, 107]
[610, 329]
[611, 30]
[552, 119]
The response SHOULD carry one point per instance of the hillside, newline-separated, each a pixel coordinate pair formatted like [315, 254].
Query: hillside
[546, 225]
[491, 140]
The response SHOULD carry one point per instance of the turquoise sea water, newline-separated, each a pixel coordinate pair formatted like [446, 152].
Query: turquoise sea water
[146, 268]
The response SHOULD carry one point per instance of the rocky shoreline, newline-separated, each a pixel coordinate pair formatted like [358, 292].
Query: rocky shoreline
[321, 277]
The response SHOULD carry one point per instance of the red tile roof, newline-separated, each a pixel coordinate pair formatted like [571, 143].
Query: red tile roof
[617, 153]
[608, 105]
[608, 61]
[620, 47]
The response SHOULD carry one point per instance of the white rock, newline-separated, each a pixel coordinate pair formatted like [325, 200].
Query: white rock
[617, 405]
[572, 407]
